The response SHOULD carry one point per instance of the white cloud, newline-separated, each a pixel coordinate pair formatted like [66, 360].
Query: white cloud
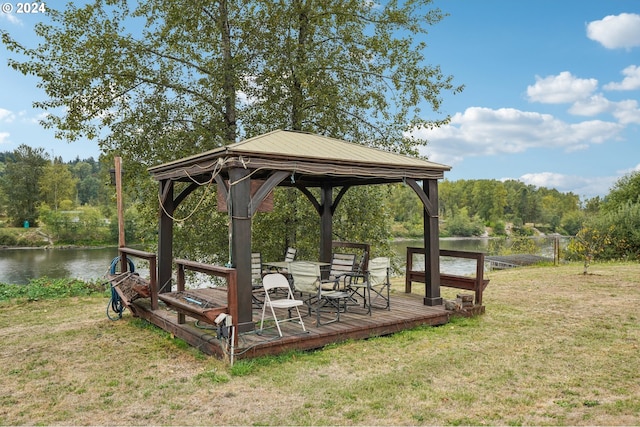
[579, 185]
[484, 132]
[627, 111]
[592, 106]
[631, 80]
[616, 31]
[560, 89]
[636, 168]
[6, 116]
[12, 18]
[4, 137]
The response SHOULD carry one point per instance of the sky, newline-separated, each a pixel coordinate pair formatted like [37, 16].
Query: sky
[551, 98]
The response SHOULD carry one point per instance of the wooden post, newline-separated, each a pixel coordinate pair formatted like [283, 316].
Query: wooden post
[240, 197]
[165, 236]
[326, 223]
[120, 209]
[432, 244]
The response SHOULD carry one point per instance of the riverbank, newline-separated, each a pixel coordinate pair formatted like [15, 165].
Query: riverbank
[554, 347]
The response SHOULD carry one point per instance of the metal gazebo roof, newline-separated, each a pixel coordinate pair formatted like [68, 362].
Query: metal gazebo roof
[312, 159]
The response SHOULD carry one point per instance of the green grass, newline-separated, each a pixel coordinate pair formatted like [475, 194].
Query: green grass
[554, 347]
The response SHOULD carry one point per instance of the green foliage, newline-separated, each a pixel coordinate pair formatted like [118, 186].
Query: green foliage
[625, 190]
[463, 225]
[572, 222]
[45, 288]
[612, 232]
[590, 242]
[20, 184]
[499, 228]
[407, 211]
[56, 184]
[624, 223]
[512, 245]
[351, 70]
[7, 239]
[493, 200]
[85, 225]
[362, 216]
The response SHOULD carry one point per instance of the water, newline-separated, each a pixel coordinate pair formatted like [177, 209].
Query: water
[448, 265]
[18, 266]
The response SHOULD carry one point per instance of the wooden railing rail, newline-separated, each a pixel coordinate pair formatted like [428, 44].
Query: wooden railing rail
[124, 252]
[476, 284]
[229, 274]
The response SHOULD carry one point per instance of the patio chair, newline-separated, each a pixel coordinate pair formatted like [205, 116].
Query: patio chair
[306, 280]
[290, 255]
[257, 294]
[342, 266]
[277, 282]
[376, 285]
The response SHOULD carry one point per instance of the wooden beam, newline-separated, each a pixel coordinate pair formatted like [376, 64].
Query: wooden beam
[432, 244]
[326, 223]
[311, 198]
[165, 236]
[266, 188]
[426, 201]
[339, 197]
[238, 206]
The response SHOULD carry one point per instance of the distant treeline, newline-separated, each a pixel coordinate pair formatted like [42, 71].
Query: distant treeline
[468, 206]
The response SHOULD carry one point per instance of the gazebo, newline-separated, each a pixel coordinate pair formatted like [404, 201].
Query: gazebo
[300, 160]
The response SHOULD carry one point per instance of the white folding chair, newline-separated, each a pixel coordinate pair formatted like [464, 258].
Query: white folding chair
[277, 281]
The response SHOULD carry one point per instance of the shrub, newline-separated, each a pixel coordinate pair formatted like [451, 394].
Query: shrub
[7, 239]
[46, 288]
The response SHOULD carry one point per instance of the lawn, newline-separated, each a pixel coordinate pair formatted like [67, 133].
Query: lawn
[554, 347]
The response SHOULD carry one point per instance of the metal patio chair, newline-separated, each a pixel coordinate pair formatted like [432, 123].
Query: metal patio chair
[271, 283]
[306, 280]
[376, 285]
[257, 292]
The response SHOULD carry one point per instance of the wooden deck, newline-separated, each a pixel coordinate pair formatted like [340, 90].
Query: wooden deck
[407, 311]
[190, 314]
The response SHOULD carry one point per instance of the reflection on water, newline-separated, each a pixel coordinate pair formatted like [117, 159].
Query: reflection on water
[448, 265]
[18, 266]
[461, 266]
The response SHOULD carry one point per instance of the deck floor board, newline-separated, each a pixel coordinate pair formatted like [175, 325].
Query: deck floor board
[407, 311]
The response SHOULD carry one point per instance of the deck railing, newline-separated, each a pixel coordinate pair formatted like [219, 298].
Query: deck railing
[476, 284]
[125, 252]
[229, 274]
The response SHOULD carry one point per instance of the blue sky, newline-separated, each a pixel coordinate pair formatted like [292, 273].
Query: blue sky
[552, 91]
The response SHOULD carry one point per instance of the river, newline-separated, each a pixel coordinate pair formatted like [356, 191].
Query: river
[19, 266]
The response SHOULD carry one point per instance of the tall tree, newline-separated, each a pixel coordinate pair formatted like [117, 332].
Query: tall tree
[20, 183]
[170, 79]
[624, 191]
[57, 184]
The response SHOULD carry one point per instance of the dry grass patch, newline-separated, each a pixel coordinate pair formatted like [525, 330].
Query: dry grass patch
[554, 348]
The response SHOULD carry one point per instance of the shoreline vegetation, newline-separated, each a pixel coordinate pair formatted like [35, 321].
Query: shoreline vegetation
[554, 347]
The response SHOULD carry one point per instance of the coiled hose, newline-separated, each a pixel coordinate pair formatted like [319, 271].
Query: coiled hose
[115, 302]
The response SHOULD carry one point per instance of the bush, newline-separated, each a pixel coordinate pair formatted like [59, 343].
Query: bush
[31, 239]
[7, 239]
[45, 288]
[461, 225]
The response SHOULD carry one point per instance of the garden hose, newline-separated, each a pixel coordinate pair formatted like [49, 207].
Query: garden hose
[115, 303]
